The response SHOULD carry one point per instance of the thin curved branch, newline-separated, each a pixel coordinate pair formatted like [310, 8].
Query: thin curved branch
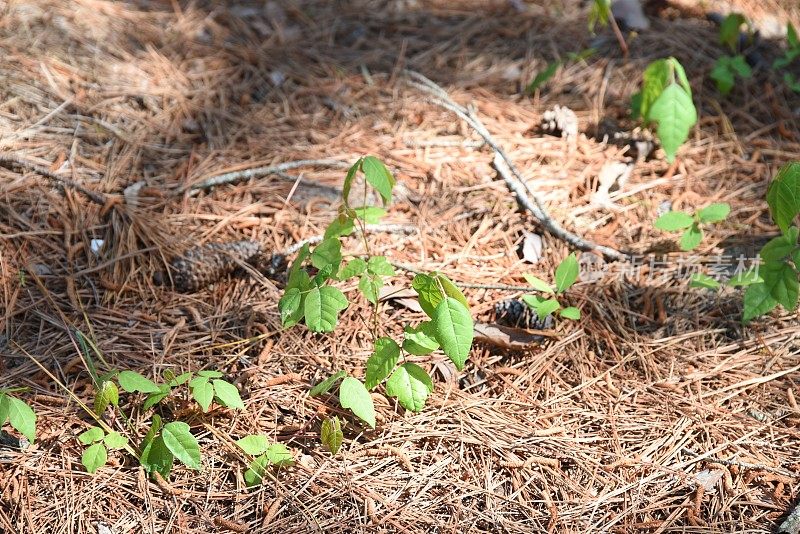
[247, 174]
[526, 198]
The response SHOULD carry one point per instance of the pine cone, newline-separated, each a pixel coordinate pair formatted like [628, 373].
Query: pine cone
[204, 265]
[517, 314]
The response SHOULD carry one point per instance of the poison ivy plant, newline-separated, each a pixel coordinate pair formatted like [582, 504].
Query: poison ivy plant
[208, 386]
[599, 13]
[98, 442]
[727, 69]
[730, 30]
[311, 297]
[780, 257]
[674, 221]
[17, 413]
[164, 443]
[792, 51]
[666, 99]
[565, 276]
[265, 454]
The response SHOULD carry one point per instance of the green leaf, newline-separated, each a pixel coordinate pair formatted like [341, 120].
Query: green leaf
[745, 278]
[537, 283]
[90, 436]
[156, 457]
[783, 195]
[542, 76]
[202, 392]
[675, 114]
[715, 212]
[115, 440]
[227, 394]
[180, 379]
[723, 75]
[155, 398]
[328, 252]
[348, 181]
[331, 434]
[453, 329]
[107, 394]
[323, 275]
[672, 221]
[4, 408]
[322, 307]
[132, 381]
[636, 105]
[353, 268]
[277, 454]
[354, 396]
[691, 238]
[411, 385]
[429, 293]
[379, 265]
[739, 65]
[210, 374]
[94, 457]
[757, 301]
[780, 247]
[289, 307]
[342, 225]
[379, 177]
[566, 273]
[790, 81]
[22, 418]
[420, 340]
[253, 445]
[381, 362]
[600, 12]
[654, 79]
[542, 307]
[450, 289]
[302, 255]
[780, 279]
[181, 443]
[370, 214]
[704, 281]
[729, 30]
[791, 36]
[370, 285]
[571, 312]
[155, 428]
[255, 474]
[325, 386]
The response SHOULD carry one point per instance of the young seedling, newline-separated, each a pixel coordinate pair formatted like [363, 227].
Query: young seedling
[780, 257]
[310, 297]
[566, 274]
[666, 99]
[98, 442]
[164, 443]
[17, 413]
[727, 68]
[791, 53]
[264, 454]
[674, 221]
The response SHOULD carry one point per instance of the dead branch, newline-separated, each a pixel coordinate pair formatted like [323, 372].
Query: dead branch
[11, 160]
[526, 198]
[247, 174]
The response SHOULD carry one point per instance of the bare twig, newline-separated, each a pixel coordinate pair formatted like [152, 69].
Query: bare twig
[247, 174]
[11, 160]
[526, 198]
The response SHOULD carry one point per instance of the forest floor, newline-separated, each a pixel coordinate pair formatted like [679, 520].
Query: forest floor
[656, 412]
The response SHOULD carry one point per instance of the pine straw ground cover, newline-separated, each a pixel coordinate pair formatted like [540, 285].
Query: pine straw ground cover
[607, 426]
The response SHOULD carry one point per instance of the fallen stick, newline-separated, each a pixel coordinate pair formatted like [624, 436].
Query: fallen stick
[526, 198]
[247, 174]
[10, 160]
